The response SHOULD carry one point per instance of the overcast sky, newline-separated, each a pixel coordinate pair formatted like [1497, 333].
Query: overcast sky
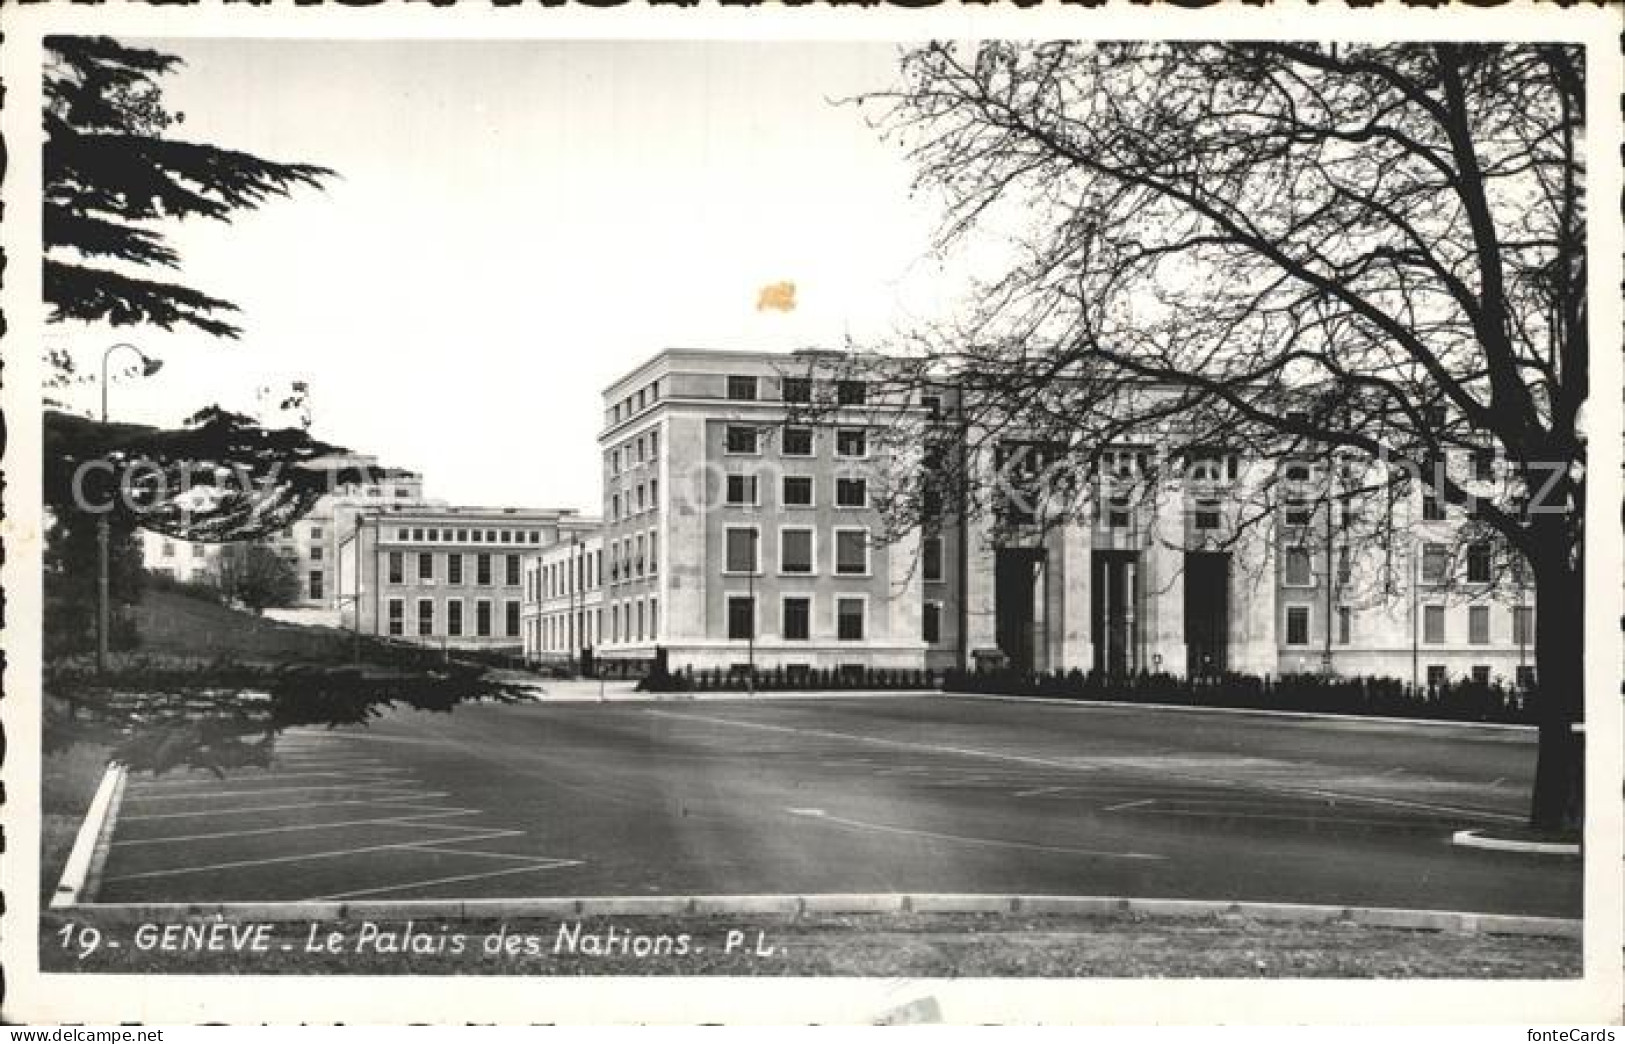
[517, 224]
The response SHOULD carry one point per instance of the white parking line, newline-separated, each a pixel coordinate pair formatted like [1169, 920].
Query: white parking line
[332, 854]
[1040, 791]
[991, 842]
[372, 800]
[275, 777]
[1129, 804]
[407, 820]
[553, 864]
[264, 790]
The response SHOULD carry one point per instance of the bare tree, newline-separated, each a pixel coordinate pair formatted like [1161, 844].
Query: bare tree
[1360, 253]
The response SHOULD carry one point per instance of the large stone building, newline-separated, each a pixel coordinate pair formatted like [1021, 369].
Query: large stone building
[563, 612]
[744, 524]
[444, 576]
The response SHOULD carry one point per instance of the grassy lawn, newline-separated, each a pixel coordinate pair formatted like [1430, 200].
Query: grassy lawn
[69, 778]
[867, 945]
[173, 624]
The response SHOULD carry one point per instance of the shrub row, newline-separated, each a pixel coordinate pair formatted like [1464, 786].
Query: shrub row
[787, 680]
[1373, 696]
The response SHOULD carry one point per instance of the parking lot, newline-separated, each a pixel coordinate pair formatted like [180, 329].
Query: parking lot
[855, 794]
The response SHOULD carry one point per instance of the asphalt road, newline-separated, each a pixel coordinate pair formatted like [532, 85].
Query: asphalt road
[860, 794]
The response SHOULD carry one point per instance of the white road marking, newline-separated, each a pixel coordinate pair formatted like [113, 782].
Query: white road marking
[1027, 759]
[991, 842]
[264, 790]
[406, 820]
[1129, 804]
[413, 885]
[275, 777]
[332, 854]
[373, 800]
[1040, 791]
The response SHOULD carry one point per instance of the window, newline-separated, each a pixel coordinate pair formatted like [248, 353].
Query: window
[1432, 510]
[851, 492]
[1481, 674]
[796, 389]
[654, 619]
[397, 616]
[850, 393]
[482, 569]
[742, 490]
[798, 491]
[397, 567]
[511, 613]
[1297, 625]
[743, 388]
[426, 566]
[639, 631]
[1525, 676]
[931, 552]
[741, 617]
[482, 619]
[851, 442]
[638, 560]
[1436, 416]
[1483, 464]
[1433, 624]
[425, 617]
[1435, 563]
[454, 618]
[740, 438]
[512, 577]
[1523, 631]
[640, 498]
[1298, 513]
[932, 404]
[1207, 517]
[1298, 473]
[454, 569]
[1297, 568]
[315, 532]
[795, 551]
[402, 534]
[852, 552]
[1436, 675]
[614, 507]
[417, 535]
[1117, 513]
[315, 552]
[1345, 619]
[1345, 567]
[654, 552]
[654, 494]
[849, 619]
[198, 550]
[1478, 563]
[797, 619]
[798, 442]
[316, 585]
[931, 623]
[1478, 624]
[739, 556]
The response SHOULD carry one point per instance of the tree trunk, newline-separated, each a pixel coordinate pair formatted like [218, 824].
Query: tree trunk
[1558, 803]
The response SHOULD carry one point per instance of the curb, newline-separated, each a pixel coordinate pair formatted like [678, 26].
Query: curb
[1475, 839]
[1447, 921]
[82, 873]
[1262, 711]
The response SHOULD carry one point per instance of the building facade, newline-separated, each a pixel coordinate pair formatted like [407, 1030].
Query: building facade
[563, 611]
[743, 526]
[442, 576]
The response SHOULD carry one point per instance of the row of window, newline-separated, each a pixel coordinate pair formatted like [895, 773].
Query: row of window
[426, 620]
[428, 568]
[796, 613]
[1433, 625]
[553, 633]
[167, 549]
[634, 556]
[746, 388]
[743, 440]
[635, 505]
[1436, 566]
[645, 448]
[798, 555]
[635, 403]
[581, 572]
[440, 535]
[744, 490]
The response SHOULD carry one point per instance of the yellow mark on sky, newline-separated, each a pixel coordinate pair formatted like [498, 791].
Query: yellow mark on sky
[779, 297]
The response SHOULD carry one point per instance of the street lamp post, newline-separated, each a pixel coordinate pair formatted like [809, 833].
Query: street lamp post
[104, 613]
[573, 579]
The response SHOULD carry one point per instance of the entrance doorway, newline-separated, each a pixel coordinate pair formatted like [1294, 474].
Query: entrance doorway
[1113, 594]
[1207, 612]
[1016, 572]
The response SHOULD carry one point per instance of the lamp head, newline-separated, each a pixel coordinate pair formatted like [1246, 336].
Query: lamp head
[150, 366]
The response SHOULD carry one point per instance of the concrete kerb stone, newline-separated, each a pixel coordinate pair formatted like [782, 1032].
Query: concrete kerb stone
[879, 903]
[1476, 839]
[81, 874]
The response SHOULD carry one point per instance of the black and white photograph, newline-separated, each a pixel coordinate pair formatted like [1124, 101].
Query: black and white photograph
[770, 513]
